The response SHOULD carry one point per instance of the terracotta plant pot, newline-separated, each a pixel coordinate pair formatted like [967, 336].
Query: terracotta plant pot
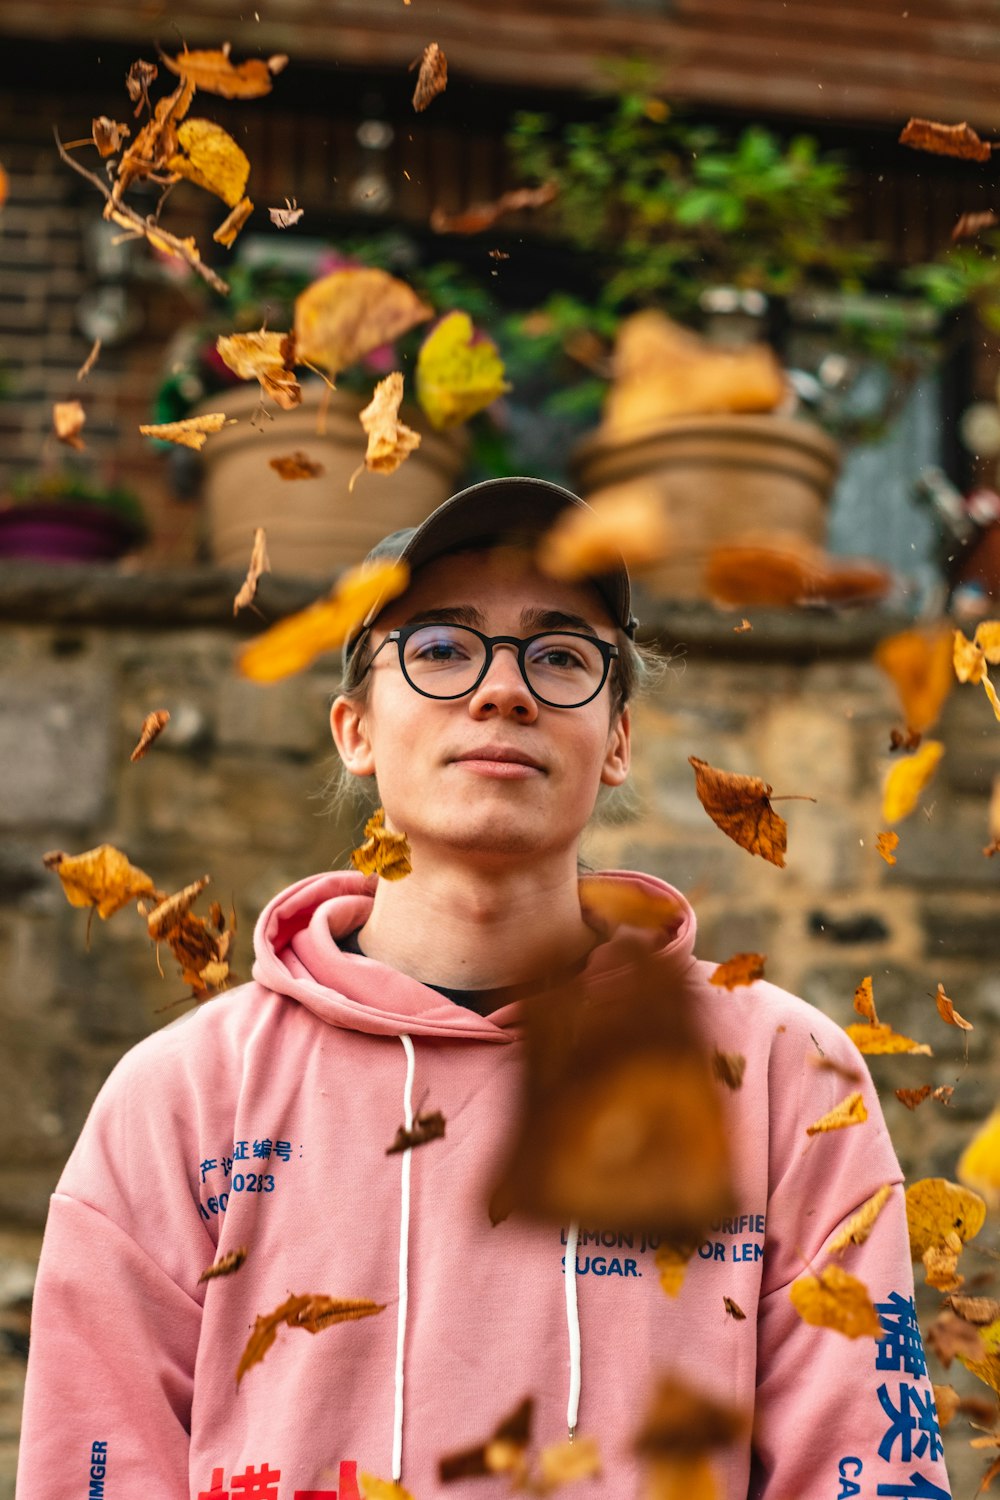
[722, 480]
[64, 533]
[315, 527]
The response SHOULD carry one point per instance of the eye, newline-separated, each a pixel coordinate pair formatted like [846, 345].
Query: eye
[437, 646]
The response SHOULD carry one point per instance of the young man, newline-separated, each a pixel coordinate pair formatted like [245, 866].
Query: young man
[491, 704]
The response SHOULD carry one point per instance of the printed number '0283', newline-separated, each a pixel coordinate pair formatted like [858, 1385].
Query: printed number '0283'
[250, 1182]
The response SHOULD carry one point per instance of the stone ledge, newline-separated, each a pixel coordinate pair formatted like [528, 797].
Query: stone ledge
[71, 594]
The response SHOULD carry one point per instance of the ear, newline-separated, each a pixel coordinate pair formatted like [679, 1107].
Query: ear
[618, 755]
[349, 727]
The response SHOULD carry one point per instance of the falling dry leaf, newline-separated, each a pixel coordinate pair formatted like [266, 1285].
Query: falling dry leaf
[168, 912]
[864, 1001]
[952, 1337]
[201, 946]
[140, 75]
[432, 78]
[682, 1422]
[153, 726]
[859, 1226]
[481, 216]
[297, 465]
[458, 373]
[672, 1261]
[919, 664]
[977, 1310]
[979, 1164]
[946, 1402]
[940, 1264]
[947, 1011]
[390, 441]
[189, 433]
[309, 1312]
[836, 1299]
[566, 1462]
[90, 361]
[613, 527]
[734, 1309]
[225, 1265]
[739, 806]
[214, 72]
[967, 226]
[970, 658]
[903, 740]
[729, 1068]
[786, 571]
[68, 418]
[912, 1098]
[233, 223]
[945, 140]
[266, 357]
[831, 1065]
[993, 820]
[937, 1210]
[429, 1127]
[382, 853]
[208, 156]
[681, 1477]
[743, 626]
[886, 845]
[740, 970]
[850, 1111]
[259, 563]
[285, 218]
[907, 779]
[344, 316]
[102, 878]
[291, 644]
[880, 1040]
[502, 1453]
[373, 1488]
[108, 135]
[623, 903]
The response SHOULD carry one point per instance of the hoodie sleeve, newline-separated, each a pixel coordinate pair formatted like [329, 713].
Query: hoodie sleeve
[837, 1416]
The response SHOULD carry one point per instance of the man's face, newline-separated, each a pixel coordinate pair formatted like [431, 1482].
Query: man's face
[441, 773]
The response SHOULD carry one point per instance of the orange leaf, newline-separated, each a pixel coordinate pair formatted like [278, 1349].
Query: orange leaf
[919, 663]
[153, 726]
[390, 441]
[864, 1001]
[565, 1462]
[344, 316]
[432, 78]
[620, 903]
[836, 1299]
[672, 1262]
[740, 970]
[879, 1039]
[946, 1401]
[850, 1111]
[102, 878]
[213, 72]
[944, 140]
[167, 914]
[860, 1225]
[191, 432]
[739, 806]
[297, 465]
[68, 418]
[615, 526]
[886, 844]
[266, 357]
[108, 135]
[947, 1011]
[233, 223]
[787, 571]
[913, 1097]
[309, 1312]
[259, 563]
[481, 216]
[382, 853]
[226, 1265]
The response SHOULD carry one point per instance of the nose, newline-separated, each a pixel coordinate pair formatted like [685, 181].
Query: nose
[503, 690]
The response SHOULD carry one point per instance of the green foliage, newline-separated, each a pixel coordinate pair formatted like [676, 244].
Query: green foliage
[964, 276]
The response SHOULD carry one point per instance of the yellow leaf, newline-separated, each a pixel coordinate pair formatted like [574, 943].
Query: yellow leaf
[344, 316]
[382, 1489]
[937, 1209]
[970, 658]
[988, 1369]
[233, 223]
[563, 1463]
[291, 644]
[615, 526]
[682, 1478]
[859, 1226]
[266, 357]
[619, 903]
[208, 156]
[880, 1039]
[836, 1299]
[941, 1265]
[919, 663]
[850, 1111]
[458, 372]
[672, 1263]
[382, 853]
[389, 439]
[979, 1164]
[101, 877]
[907, 780]
[189, 433]
[68, 418]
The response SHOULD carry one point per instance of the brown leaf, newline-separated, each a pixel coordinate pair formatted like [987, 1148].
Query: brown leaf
[734, 1310]
[729, 1068]
[944, 140]
[102, 878]
[266, 357]
[969, 225]
[191, 432]
[344, 316]
[432, 78]
[233, 223]
[259, 563]
[137, 80]
[108, 135]
[850, 1111]
[830, 1065]
[156, 142]
[947, 1012]
[886, 845]
[952, 1337]
[739, 806]
[481, 216]
[68, 418]
[390, 441]
[168, 912]
[568, 1461]
[836, 1299]
[213, 72]
[285, 218]
[425, 1128]
[382, 853]
[297, 465]
[900, 739]
[946, 1402]
[225, 1265]
[913, 1097]
[310, 1312]
[682, 1421]
[740, 970]
[503, 1452]
[976, 1310]
[153, 726]
[743, 626]
[90, 361]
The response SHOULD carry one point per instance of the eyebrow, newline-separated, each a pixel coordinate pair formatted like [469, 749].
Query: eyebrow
[532, 620]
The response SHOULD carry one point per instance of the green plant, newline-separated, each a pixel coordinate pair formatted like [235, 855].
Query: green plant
[74, 487]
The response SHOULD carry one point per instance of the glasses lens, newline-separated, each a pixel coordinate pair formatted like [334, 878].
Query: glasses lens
[564, 669]
[443, 660]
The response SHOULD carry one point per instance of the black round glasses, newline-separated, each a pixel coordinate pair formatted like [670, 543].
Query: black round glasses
[562, 668]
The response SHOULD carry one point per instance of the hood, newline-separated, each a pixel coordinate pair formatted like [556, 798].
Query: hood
[297, 955]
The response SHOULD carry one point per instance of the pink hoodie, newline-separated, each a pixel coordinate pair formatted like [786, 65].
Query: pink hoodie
[262, 1119]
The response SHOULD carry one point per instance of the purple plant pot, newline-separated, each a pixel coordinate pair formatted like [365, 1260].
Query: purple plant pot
[64, 533]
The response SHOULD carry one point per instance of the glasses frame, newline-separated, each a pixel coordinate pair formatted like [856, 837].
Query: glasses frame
[608, 653]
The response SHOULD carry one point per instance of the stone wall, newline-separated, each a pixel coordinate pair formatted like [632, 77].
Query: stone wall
[235, 789]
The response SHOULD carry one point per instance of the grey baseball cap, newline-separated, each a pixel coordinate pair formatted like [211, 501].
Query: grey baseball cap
[513, 511]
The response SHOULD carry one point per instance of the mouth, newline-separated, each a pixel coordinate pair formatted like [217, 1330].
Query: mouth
[500, 760]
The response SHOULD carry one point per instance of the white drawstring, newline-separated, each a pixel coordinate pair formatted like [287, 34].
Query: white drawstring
[573, 1330]
[404, 1248]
